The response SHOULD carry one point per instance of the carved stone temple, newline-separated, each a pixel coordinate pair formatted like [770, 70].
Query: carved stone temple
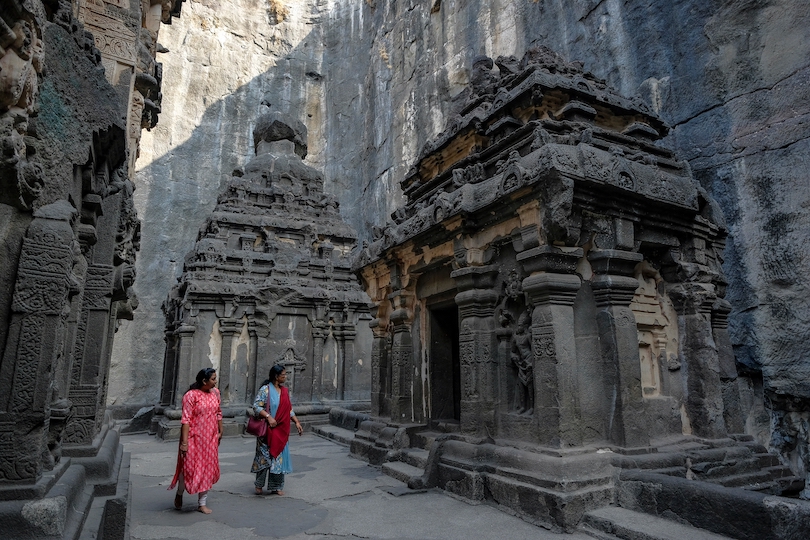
[269, 281]
[72, 105]
[549, 321]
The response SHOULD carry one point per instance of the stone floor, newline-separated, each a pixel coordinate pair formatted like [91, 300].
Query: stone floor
[329, 496]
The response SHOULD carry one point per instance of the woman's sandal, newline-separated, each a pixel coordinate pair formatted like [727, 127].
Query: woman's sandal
[204, 509]
[277, 492]
[178, 502]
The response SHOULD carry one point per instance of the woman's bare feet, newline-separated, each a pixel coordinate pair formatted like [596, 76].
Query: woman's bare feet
[277, 492]
[204, 509]
[178, 501]
[259, 491]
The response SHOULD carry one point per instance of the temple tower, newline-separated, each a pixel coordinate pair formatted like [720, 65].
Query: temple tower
[269, 281]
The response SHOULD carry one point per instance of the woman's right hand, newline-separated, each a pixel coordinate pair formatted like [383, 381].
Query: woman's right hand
[272, 421]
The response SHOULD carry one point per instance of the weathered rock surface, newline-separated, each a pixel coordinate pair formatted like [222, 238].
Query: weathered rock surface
[269, 281]
[224, 57]
[376, 80]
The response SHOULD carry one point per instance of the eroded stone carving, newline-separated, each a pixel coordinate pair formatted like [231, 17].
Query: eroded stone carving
[21, 64]
[584, 267]
[521, 355]
[272, 268]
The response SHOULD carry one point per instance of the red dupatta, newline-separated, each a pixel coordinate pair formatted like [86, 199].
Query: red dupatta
[278, 436]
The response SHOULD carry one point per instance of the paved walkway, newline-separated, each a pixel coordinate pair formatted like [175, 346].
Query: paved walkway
[329, 496]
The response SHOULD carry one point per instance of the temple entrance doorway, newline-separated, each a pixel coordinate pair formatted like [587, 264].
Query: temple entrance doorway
[445, 365]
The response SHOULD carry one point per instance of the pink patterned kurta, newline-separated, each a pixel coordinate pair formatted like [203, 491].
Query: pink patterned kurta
[200, 468]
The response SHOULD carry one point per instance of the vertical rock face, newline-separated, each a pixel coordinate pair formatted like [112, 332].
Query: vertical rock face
[225, 56]
[377, 80]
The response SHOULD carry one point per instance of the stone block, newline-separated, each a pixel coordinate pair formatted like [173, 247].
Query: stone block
[467, 484]
[736, 513]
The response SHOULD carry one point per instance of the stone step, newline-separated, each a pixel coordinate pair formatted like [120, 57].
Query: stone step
[673, 471]
[768, 460]
[402, 471]
[334, 433]
[753, 480]
[778, 471]
[415, 456]
[611, 523]
[711, 471]
[563, 484]
[424, 439]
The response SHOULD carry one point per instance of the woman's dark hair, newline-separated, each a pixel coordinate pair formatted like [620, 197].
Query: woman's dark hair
[275, 371]
[203, 376]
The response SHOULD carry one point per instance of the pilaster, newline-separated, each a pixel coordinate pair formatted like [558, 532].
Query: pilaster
[345, 338]
[732, 408]
[401, 355]
[699, 355]
[613, 287]
[379, 364]
[185, 334]
[91, 351]
[320, 331]
[552, 288]
[40, 296]
[229, 328]
[476, 302]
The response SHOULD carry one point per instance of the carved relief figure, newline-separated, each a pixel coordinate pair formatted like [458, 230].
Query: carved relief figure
[522, 358]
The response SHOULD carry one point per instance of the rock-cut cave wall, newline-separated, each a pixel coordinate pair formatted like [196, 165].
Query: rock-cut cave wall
[373, 81]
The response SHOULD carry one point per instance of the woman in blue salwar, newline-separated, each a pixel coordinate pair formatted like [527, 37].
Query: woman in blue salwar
[272, 460]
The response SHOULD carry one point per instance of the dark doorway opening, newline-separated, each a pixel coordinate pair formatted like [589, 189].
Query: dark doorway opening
[445, 365]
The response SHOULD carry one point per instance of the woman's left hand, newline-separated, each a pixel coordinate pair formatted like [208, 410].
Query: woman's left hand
[299, 428]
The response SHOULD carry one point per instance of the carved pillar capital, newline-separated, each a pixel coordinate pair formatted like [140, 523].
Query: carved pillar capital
[402, 308]
[230, 327]
[613, 283]
[557, 289]
[691, 298]
[549, 259]
[720, 312]
[475, 277]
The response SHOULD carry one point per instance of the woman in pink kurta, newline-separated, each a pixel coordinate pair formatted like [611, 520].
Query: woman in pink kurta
[200, 433]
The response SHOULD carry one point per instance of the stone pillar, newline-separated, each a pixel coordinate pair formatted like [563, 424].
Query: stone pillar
[320, 331]
[39, 300]
[732, 409]
[401, 356]
[253, 358]
[613, 287]
[185, 366]
[379, 363]
[699, 357]
[346, 337]
[552, 288]
[90, 351]
[504, 337]
[229, 329]
[476, 302]
[169, 384]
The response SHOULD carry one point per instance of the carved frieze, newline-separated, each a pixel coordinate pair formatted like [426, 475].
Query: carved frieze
[114, 38]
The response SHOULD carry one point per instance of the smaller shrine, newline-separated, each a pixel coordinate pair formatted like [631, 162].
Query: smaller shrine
[269, 281]
[550, 332]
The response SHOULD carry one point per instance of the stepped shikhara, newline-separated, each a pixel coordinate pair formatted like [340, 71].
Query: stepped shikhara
[269, 281]
[555, 277]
